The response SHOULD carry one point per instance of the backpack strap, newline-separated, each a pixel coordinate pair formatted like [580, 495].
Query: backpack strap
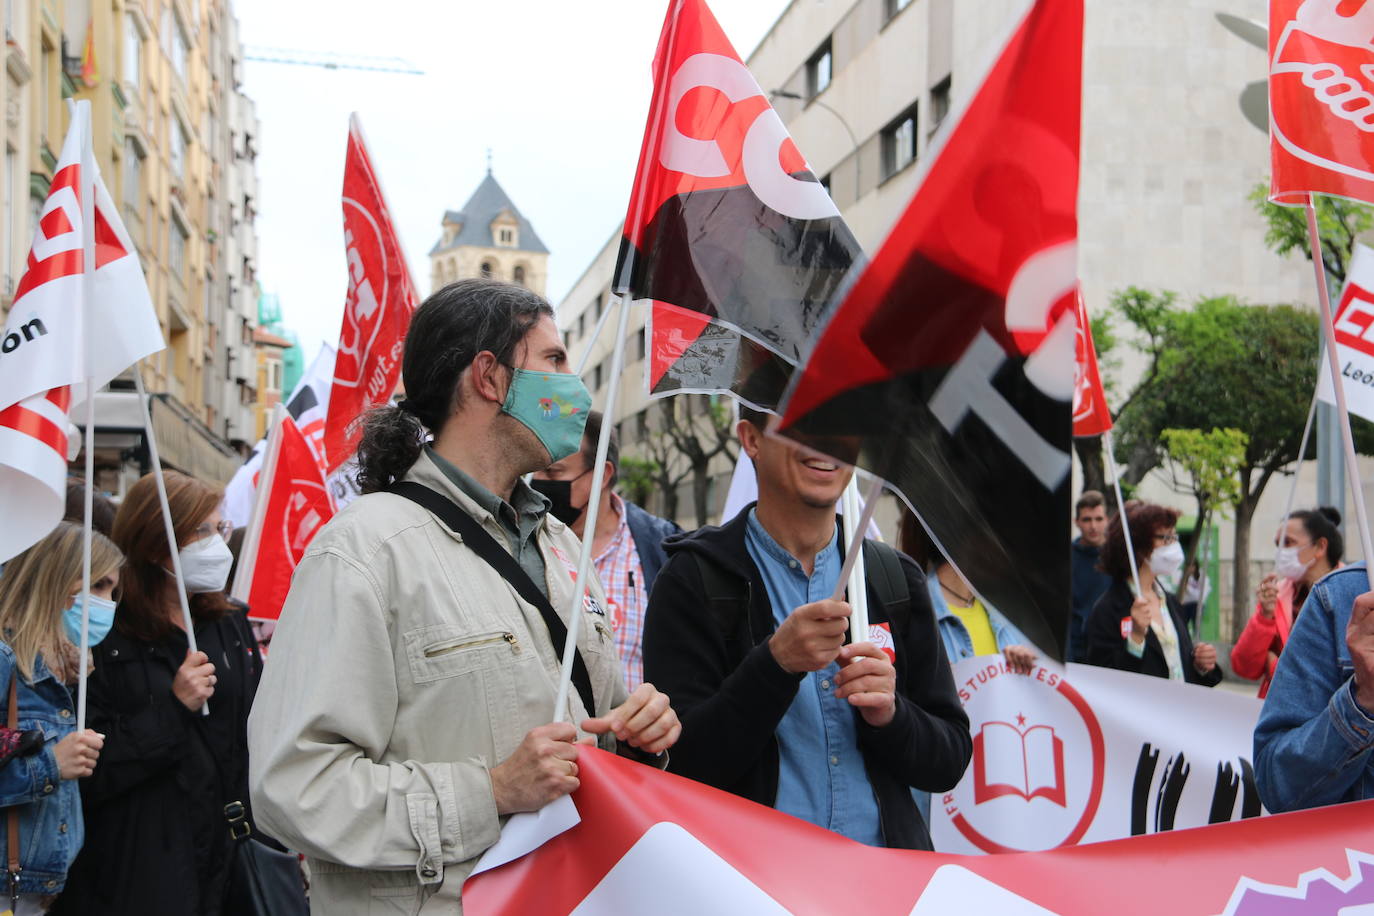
[728, 605]
[883, 567]
[13, 868]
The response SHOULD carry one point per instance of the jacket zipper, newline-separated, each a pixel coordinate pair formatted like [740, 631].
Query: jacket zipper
[603, 630]
[447, 648]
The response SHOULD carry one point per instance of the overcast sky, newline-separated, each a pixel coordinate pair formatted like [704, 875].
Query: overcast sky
[557, 90]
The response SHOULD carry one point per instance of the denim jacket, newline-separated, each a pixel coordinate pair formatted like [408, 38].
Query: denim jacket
[49, 807]
[1312, 742]
[958, 642]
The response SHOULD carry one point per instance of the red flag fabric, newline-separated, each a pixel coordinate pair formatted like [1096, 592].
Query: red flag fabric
[651, 842]
[381, 299]
[950, 360]
[727, 226]
[298, 506]
[1321, 99]
[1090, 414]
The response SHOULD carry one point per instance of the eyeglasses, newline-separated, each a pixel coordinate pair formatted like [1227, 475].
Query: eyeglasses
[224, 529]
[1170, 538]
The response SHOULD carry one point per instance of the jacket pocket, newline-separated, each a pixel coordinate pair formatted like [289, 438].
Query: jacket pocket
[447, 650]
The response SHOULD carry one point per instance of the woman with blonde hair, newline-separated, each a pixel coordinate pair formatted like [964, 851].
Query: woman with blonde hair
[40, 627]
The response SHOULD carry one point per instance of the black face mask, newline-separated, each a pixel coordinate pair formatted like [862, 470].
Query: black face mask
[559, 492]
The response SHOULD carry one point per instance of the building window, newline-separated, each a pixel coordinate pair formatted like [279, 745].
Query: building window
[899, 143]
[567, 339]
[505, 236]
[274, 375]
[176, 249]
[177, 153]
[895, 6]
[597, 377]
[641, 340]
[518, 275]
[486, 270]
[600, 307]
[133, 173]
[581, 325]
[818, 70]
[175, 41]
[133, 50]
[939, 104]
[642, 425]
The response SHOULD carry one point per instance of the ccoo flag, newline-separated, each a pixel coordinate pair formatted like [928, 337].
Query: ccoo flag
[728, 232]
[1321, 99]
[1354, 338]
[381, 299]
[1090, 414]
[297, 505]
[63, 330]
[951, 358]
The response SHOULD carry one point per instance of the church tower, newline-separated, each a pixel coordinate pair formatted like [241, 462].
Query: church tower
[489, 238]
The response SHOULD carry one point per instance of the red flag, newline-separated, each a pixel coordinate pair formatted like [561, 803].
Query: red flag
[727, 226]
[651, 842]
[381, 299]
[951, 357]
[1090, 414]
[1321, 99]
[298, 505]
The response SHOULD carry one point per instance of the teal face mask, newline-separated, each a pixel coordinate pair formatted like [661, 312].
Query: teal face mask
[553, 405]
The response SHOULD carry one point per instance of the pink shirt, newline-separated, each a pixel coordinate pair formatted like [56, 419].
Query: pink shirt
[622, 577]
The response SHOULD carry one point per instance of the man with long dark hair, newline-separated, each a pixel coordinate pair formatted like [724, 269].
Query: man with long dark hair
[415, 667]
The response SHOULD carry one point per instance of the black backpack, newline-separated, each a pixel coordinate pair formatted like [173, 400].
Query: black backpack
[730, 608]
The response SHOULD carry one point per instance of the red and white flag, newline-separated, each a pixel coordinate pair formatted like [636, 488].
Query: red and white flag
[1321, 99]
[57, 338]
[296, 505]
[381, 299]
[1090, 414]
[1354, 338]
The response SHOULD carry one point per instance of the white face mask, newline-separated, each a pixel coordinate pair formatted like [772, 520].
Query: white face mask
[1167, 560]
[205, 565]
[1288, 565]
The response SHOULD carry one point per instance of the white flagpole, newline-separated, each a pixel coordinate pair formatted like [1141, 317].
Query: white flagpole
[1352, 469]
[1121, 507]
[584, 562]
[252, 539]
[168, 525]
[596, 333]
[81, 113]
[1293, 490]
[853, 558]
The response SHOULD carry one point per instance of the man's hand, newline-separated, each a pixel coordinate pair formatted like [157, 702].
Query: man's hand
[1020, 659]
[1204, 657]
[542, 769]
[1268, 594]
[868, 681]
[810, 637]
[1359, 637]
[645, 721]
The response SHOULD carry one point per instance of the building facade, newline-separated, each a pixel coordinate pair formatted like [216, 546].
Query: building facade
[489, 238]
[1168, 159]
[174, 140]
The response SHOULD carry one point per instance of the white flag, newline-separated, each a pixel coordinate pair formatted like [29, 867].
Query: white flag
[56, 339]
[1354, 338]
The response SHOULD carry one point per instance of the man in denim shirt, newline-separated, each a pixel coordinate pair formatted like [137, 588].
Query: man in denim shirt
[1316, 731]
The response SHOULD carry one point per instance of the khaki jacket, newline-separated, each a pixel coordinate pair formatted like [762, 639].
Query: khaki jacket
[403, 668]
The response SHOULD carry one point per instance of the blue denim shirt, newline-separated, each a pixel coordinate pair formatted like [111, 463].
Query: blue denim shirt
[958, 642]
[821, 775]
[50, 827]
[1312, 741]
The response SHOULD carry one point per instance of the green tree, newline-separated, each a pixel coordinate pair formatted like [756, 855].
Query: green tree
[637, 477]
[1339, 223]
[1210, 461]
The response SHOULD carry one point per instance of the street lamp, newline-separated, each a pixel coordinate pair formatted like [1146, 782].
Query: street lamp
[786, 94]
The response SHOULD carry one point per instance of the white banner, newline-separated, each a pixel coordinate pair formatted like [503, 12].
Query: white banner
[1081, 754]
[1354, 338]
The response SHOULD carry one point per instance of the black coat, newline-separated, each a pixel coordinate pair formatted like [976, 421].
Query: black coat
[1107, 647]
[731, 694]
[156, 837]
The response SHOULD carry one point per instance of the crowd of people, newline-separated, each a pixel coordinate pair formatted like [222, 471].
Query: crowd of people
[413, 702]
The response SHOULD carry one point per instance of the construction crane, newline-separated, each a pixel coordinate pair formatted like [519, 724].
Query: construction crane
[331, 61]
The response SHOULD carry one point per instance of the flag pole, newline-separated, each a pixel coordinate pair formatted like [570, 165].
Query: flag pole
[852, 573]
[584, 562]
[1121, 507]
[252, 538]
[596, 332]
[167, 523]
[1293, 490]
[81, 111]
[1352, 469]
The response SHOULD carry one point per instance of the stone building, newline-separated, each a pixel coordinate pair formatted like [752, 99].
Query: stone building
[489, 237]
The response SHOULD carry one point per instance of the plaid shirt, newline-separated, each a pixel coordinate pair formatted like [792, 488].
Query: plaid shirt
[622, 577]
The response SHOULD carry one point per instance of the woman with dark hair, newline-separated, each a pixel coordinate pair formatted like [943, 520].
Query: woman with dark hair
[1146, 634]
[1312, 547]
[157, 838]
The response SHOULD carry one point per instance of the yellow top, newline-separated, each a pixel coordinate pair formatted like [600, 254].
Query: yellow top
[975, 620]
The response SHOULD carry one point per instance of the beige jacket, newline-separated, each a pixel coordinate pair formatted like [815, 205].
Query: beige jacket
[403, 668]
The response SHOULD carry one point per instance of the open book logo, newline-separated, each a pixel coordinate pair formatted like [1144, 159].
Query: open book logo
[1013, 760]
[1039, 762]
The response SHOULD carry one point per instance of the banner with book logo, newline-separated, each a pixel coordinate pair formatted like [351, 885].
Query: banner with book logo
[1354, 338]
[1077, 754]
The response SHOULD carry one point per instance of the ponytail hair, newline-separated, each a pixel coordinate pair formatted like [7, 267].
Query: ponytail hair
[446, 334]
[1324, 523]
